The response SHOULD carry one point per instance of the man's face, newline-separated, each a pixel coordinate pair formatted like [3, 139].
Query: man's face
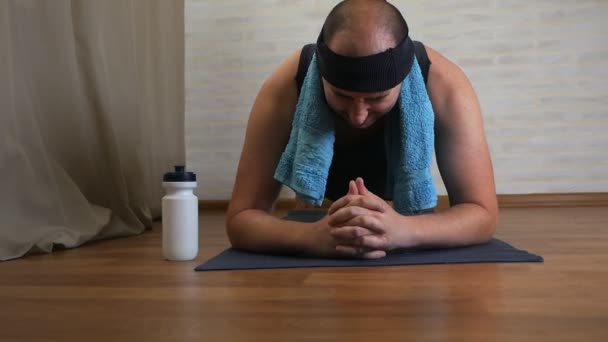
[360, 110]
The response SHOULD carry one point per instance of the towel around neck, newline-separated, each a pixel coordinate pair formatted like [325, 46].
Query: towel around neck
[409, 139]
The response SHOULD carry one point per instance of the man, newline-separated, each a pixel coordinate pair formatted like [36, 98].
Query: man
[362, 223]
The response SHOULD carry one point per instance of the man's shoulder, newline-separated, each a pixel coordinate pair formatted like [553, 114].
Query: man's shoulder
[447, 81]
[442, 66]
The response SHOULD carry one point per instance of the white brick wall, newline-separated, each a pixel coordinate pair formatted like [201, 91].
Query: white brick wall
[539, 67]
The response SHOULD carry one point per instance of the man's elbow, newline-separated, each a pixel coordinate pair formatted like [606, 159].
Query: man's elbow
[488, 224]
[234, 233]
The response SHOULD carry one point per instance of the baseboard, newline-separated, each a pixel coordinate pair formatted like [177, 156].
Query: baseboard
[583, 199]
[587, 199]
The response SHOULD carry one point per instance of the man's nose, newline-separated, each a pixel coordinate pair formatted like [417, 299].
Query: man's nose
[358, 113]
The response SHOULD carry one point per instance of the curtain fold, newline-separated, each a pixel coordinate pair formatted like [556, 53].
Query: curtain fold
[92, 115]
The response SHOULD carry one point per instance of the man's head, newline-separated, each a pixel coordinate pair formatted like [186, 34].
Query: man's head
[359, 34]
[358, 28]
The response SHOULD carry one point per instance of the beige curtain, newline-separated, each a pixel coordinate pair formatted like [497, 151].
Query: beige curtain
[91, 116]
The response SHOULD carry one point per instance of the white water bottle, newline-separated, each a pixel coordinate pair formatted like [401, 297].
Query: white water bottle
[180, 215]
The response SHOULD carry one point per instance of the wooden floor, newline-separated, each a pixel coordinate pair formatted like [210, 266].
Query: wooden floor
[123, 290]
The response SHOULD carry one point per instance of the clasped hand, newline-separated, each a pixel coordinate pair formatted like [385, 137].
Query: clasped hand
[362, 224]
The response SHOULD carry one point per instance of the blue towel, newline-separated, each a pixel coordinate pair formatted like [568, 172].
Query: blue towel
[409, 138]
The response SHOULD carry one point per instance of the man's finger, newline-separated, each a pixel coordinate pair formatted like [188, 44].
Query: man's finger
[368, 202]
[352, 188]
[359, 252]
[374, 255]
[349, 233]
[361, 187]
[345, 214]
[341, 203]
[357, 216]
[373, 241]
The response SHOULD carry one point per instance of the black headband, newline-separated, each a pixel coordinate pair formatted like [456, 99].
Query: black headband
[372, 73]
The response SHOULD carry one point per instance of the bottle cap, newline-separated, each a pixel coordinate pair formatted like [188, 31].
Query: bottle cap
[179, 175]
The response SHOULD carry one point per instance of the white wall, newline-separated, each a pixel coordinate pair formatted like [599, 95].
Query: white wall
[539, 67]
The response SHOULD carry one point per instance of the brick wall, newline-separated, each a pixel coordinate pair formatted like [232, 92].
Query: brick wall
[539, 67]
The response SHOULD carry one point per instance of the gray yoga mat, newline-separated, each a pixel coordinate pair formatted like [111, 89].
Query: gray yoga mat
[493, 251]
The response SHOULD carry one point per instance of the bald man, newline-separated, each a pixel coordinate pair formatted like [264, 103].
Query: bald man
[361, 222]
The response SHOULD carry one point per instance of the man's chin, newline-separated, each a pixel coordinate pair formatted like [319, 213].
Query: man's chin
[365, 125]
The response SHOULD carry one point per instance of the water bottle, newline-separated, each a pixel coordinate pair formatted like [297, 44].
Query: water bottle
[180, 215]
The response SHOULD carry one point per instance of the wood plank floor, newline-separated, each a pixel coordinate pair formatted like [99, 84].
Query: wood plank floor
[123, 290]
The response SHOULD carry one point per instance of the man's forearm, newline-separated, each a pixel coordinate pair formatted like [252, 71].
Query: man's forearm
[460, 225]
[258, 231]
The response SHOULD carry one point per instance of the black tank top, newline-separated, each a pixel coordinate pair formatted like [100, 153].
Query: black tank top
[365, 158]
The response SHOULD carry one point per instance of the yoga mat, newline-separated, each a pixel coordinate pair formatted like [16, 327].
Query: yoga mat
[493, 251]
